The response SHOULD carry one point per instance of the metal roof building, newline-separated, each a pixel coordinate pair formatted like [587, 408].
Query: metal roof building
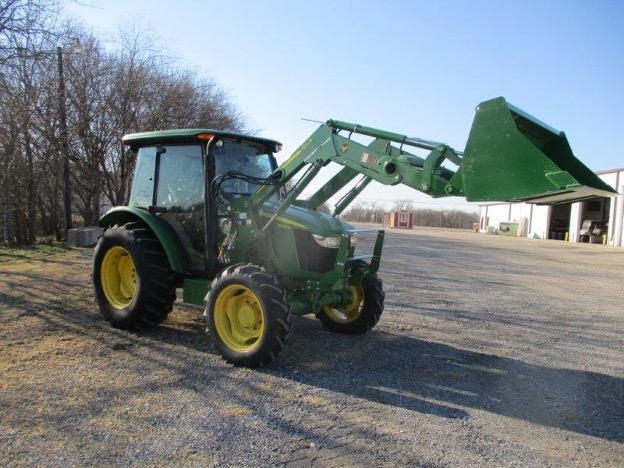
[599, 220]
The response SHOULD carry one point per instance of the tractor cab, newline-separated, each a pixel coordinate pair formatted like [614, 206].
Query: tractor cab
[170, 179]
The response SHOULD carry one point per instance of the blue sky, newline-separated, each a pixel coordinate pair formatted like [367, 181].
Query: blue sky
[417, 68]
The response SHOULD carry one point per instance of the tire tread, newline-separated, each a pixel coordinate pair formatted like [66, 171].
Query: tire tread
[157, 290]
[277, 313]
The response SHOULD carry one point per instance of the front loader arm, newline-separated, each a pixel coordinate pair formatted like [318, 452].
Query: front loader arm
[509, 156]
[378, 161]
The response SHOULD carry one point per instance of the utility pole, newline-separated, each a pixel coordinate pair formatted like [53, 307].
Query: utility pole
[64, 142]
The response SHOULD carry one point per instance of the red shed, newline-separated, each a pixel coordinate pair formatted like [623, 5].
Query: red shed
[400, 219]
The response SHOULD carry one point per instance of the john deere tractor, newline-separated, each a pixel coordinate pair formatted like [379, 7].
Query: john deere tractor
[212, 213]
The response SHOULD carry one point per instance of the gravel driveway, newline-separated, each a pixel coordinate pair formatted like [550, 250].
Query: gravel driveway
[492, 351]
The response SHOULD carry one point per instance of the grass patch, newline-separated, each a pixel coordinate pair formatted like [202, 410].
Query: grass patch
[41, 250]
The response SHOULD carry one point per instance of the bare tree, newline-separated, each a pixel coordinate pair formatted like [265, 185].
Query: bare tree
[112, 89]
[23, 19]
[24, 28]
[373, 212]
[403, 205]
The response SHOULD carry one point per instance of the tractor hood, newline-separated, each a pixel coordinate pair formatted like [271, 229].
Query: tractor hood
[306, 219]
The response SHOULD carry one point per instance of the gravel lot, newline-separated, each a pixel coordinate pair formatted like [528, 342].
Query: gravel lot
[492, 351]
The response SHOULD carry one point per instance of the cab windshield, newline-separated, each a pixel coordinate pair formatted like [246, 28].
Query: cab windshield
[249, 158]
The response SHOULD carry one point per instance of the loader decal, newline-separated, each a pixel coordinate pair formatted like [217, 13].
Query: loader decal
[369, 159]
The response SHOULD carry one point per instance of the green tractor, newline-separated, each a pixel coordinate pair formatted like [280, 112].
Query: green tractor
[212, 213]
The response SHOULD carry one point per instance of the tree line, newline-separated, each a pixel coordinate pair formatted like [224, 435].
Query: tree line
[110, 88]
[374, 212]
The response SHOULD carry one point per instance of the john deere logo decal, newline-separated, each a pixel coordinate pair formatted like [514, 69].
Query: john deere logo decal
[344, 148]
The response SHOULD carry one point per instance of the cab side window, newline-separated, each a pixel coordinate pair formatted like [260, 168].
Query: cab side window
[181, 179]
[142, 192]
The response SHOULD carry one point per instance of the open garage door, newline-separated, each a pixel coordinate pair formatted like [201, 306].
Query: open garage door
[595, 221]
[559, 224]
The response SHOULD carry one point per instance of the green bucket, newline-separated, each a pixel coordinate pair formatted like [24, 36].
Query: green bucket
[512, 156]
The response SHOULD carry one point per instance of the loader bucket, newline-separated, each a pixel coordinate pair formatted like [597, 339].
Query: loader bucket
[512, 156]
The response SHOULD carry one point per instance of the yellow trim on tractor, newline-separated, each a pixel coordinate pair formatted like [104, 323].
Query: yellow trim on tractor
[239, 318]
[119, 277]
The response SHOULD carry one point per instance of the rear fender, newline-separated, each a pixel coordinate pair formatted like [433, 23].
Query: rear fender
[165, 234]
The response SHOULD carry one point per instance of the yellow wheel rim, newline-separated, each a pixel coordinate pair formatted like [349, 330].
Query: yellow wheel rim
[351, 311]
[118, 277]
[239, 318]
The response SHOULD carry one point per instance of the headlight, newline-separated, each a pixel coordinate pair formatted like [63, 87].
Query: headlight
[329, 242]
[353, 241]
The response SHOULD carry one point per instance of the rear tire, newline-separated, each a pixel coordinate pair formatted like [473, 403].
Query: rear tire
[247, 315]
[134, 284]
[371, 307]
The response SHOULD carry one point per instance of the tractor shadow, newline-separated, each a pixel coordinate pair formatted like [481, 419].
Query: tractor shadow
[443, 380]
[391, 369]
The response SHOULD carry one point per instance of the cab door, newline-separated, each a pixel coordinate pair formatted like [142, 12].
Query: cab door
[169, 180]
[180, 192]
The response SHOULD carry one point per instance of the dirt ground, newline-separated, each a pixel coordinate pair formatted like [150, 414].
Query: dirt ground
[491, 351]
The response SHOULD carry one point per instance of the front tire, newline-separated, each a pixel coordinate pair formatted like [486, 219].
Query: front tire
[134, 284]
[361, 314]
[248, 317]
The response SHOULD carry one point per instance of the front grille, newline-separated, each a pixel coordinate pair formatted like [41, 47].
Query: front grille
[311, 256]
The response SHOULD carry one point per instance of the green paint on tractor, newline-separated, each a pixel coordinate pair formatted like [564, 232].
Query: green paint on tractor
[211, 212]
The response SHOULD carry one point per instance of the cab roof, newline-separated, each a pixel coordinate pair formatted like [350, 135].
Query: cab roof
[186, 135]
